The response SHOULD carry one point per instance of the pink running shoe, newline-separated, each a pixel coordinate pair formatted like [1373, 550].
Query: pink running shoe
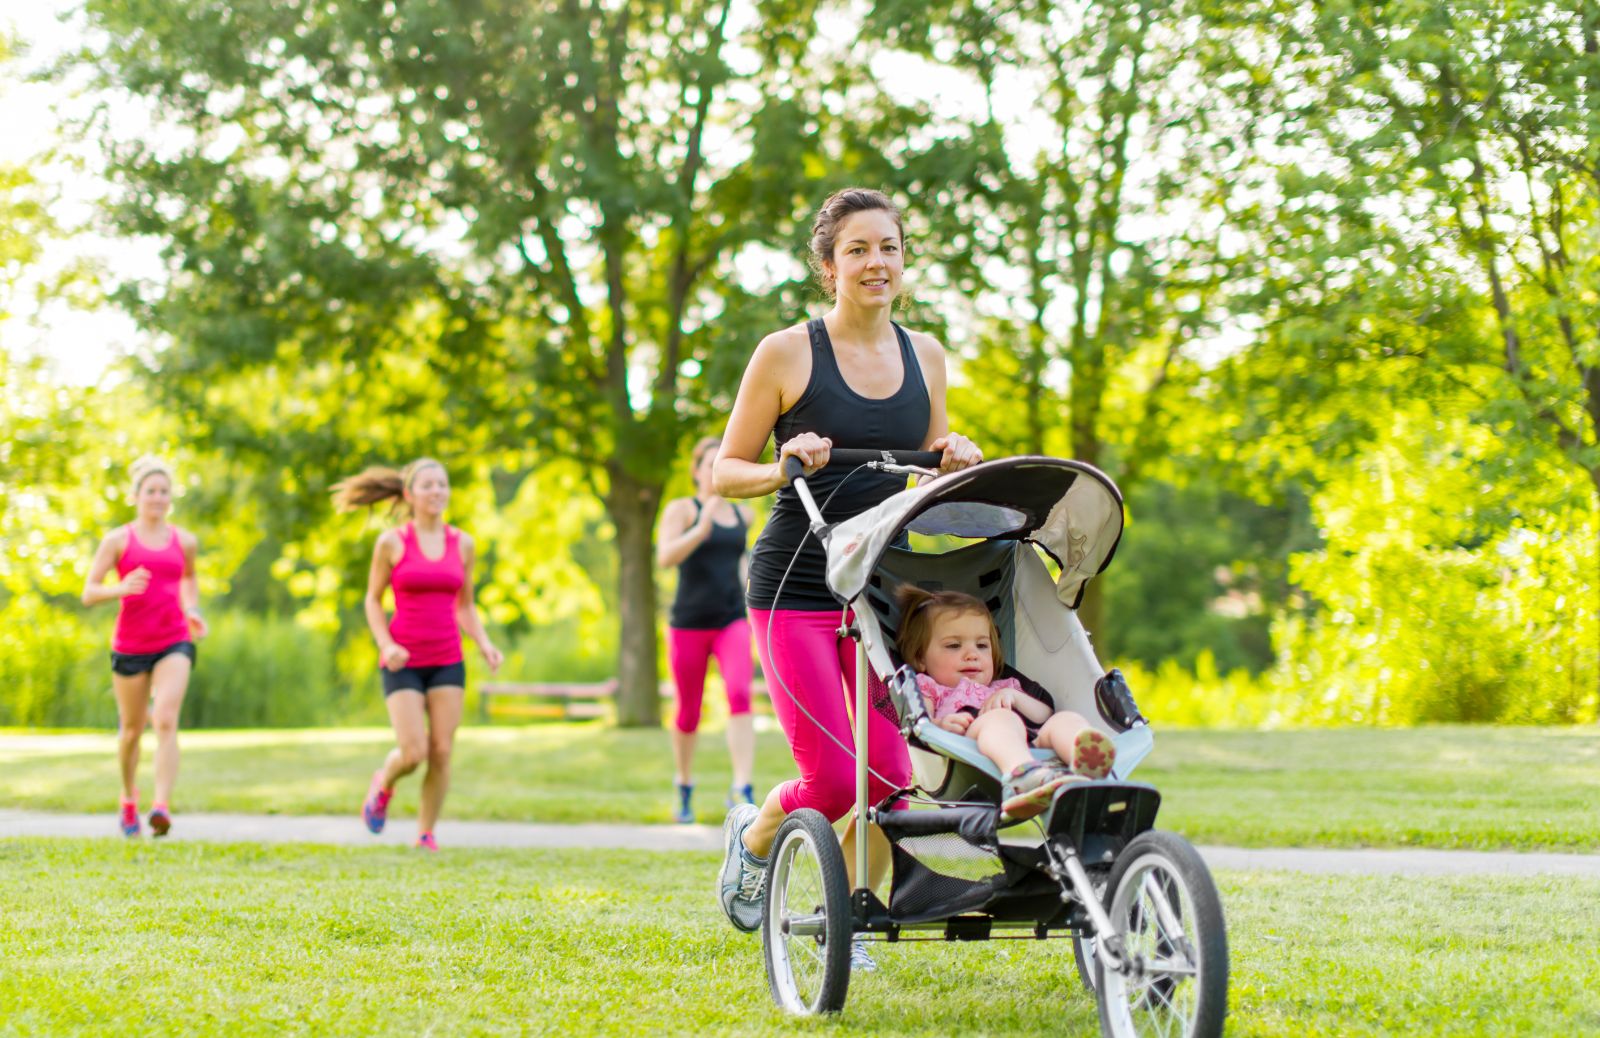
[375, 811]
[160, 820]
[128, 817]
[426, 842]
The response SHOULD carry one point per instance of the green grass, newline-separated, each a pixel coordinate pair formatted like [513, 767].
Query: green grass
[240, 939]
[1461, 787]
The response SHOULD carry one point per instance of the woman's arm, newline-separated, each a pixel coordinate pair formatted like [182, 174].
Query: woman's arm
[95, 589]
[189, 586]
[390, 654]
[677, 537]
[467, 611]
[766, 391]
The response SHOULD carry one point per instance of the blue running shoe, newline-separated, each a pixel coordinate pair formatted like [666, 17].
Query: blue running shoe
[375, 809]
[685, 813]
[742, 882]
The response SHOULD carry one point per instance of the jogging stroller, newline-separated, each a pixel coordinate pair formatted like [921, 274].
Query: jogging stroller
[1140, 905]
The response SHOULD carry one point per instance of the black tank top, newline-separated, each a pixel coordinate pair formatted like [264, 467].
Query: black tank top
[830, 408]
[708, 595]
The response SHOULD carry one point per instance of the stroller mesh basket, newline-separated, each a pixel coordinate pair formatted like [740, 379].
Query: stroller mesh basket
[950, 860]
[946, 861]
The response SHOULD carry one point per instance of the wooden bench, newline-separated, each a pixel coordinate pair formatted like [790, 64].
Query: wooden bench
[573, 700]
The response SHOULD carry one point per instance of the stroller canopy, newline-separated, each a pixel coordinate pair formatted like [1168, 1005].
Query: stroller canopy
[1071, 510]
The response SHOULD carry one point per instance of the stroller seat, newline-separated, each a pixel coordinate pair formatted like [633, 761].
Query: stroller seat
[1046, 642]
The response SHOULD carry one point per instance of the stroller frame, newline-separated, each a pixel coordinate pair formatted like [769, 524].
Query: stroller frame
[1044, 889]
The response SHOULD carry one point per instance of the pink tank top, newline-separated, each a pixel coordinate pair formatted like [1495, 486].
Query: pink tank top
[425, 595]
[151, 621]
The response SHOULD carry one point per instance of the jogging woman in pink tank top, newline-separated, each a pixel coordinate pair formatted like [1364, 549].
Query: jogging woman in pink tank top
[158, 622]
[428, 563]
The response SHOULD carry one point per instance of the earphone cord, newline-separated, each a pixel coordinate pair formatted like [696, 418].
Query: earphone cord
[849, 750]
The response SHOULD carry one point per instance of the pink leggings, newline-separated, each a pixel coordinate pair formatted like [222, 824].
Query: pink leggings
[818, 668]
[688, 653]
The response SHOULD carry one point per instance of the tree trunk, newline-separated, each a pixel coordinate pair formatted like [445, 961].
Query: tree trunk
[632, 506]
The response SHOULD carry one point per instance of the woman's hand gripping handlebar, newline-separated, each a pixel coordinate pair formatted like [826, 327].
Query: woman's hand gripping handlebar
[900, 462]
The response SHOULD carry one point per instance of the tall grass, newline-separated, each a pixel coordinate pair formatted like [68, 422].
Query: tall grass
[253, 671]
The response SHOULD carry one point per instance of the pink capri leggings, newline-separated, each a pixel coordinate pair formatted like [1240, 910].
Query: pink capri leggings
[689, 651]
[818, 668]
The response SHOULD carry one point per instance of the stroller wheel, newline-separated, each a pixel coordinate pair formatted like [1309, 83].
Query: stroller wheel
[1083, 957]
[806, 932]
[1167, 917]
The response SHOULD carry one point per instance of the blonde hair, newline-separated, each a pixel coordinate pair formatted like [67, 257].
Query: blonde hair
[920, 609]
[144, 467]
[378, 483]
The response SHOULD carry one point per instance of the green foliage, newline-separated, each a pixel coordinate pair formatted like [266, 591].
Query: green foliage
[1199, 572]
[1433, 224]
[265, 672]
[1436, 605]
[489, 231]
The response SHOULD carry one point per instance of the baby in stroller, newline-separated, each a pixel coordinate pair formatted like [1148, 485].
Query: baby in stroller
[951, 641]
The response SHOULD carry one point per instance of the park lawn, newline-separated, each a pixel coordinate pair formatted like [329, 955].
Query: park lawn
[242, 939]
[1448, 787]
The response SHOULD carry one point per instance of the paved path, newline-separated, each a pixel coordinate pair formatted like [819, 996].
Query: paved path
[329, 829]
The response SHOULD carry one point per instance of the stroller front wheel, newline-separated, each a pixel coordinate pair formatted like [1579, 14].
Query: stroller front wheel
[806, 932]
[1173, 942]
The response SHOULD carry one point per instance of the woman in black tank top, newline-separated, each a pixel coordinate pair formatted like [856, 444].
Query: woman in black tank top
[704, 536]
[852, 378]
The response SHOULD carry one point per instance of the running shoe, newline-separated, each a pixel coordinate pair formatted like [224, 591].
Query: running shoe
[860, 960]
[685, 813]
[426, 842]
[745, 794]
[160, 820]
[128, 818]
[742, 883]
[375, 811]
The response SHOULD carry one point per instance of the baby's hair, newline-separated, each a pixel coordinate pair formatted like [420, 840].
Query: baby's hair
[144, 467]
[378, 483]
[920, 609]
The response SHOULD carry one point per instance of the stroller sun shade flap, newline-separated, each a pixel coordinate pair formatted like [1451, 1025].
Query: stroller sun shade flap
[1071, 510]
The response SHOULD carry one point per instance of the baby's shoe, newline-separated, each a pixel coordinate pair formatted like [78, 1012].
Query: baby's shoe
[1028, 789]
[1093, 754]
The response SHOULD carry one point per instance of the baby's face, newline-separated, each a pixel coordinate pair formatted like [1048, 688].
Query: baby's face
[960, 648]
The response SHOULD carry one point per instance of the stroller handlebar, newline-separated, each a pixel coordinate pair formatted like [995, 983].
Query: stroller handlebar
[793, 468]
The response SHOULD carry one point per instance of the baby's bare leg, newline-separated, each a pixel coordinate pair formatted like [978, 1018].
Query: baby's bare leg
[1002, 738]
[1084, 748]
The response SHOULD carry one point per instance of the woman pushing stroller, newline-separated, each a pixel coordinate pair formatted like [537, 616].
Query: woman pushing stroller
[856, 378]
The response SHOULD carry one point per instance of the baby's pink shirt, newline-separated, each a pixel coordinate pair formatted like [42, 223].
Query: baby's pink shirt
[947, 700]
